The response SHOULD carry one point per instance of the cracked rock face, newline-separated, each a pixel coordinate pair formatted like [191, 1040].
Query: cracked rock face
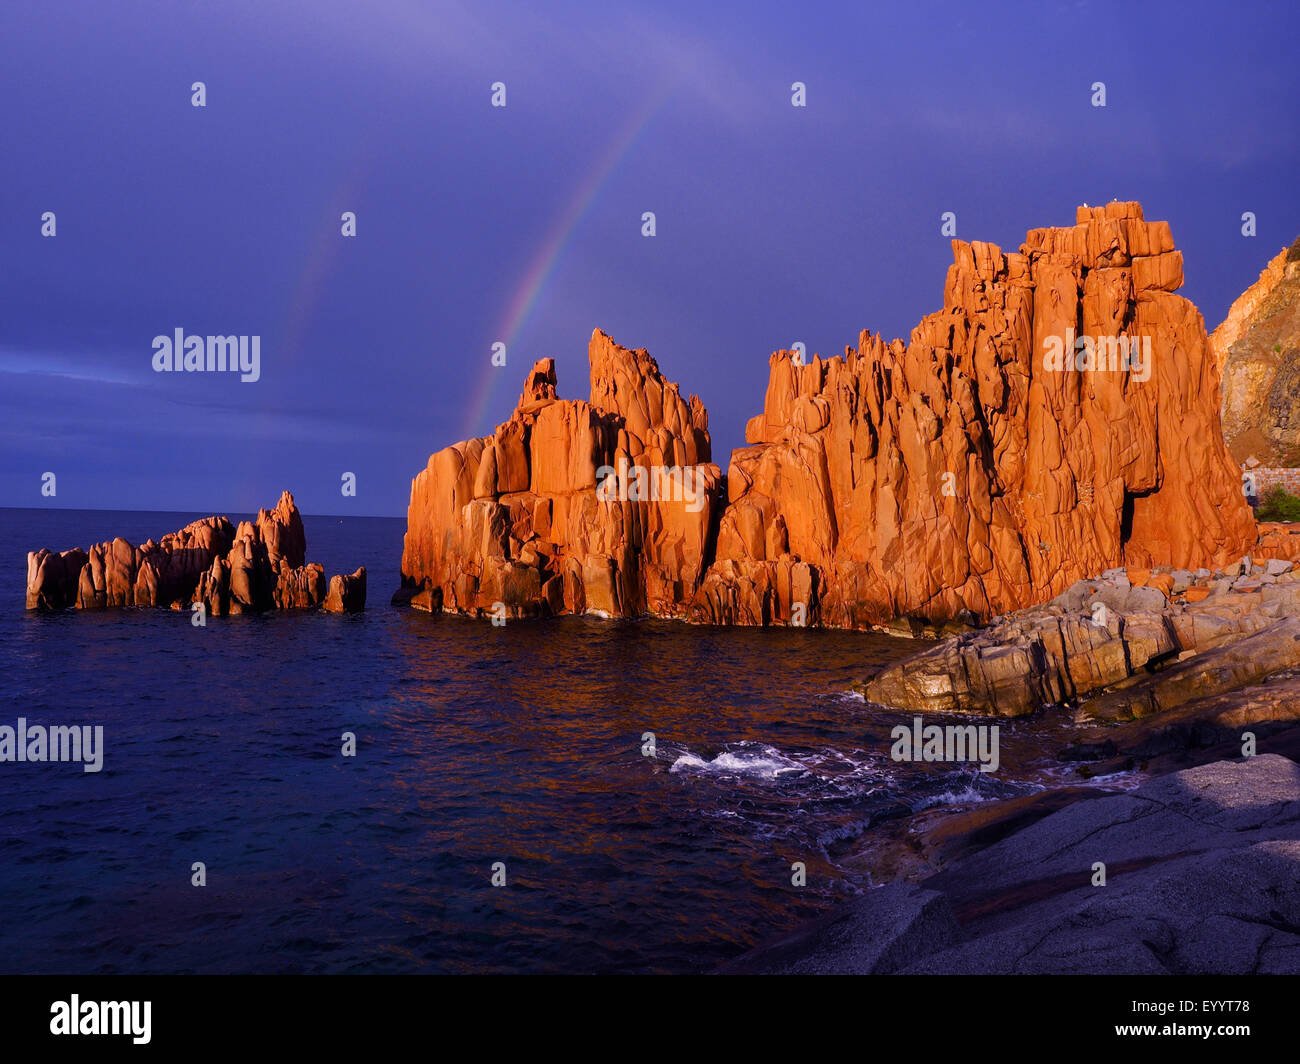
[514, 521]
[1258, 350]
[1202, 877]
[960, 474]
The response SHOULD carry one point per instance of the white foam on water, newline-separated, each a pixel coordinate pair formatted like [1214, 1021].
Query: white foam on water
[1124, 781]
[960, 796]
[1068, 775]
[851, 830]
[766, 763]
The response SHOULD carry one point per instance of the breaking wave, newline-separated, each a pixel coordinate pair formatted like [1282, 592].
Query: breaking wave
[765, 762]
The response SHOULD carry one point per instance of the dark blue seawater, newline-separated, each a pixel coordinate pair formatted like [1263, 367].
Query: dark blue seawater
[476, 744]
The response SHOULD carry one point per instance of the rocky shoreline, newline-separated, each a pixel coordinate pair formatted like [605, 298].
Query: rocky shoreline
[956, 485]
[1191, 873]
[1189, 678]
[1125, 646]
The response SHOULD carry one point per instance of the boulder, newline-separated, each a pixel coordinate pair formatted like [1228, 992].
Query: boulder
[1111, 650]
[347, 594]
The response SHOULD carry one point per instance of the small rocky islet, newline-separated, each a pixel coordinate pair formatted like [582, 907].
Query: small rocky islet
[259, 565]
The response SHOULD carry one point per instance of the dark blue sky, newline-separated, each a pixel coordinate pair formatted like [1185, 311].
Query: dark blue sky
[523, 224]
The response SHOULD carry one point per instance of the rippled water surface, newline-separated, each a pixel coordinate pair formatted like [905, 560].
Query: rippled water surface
[476, 744]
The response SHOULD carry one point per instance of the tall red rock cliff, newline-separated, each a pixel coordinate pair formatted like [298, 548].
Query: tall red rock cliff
[968, 470]
[962, 472]
[516, 519]
[1245, 307]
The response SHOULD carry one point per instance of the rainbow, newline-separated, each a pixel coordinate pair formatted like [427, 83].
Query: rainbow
[544, 263]
[324, 254]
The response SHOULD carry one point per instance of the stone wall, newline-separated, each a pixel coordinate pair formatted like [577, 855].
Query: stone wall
[1269, 477]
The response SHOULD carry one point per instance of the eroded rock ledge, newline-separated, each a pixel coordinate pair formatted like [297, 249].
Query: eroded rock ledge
[258, 566]
[1129, 645]
[952, 476]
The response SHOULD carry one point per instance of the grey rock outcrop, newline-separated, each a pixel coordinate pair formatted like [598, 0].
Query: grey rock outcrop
[1202, 877]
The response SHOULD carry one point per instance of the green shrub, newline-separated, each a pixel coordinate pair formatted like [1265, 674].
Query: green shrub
[1278, 505]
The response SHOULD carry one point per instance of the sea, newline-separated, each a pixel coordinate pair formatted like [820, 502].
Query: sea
[572, 795]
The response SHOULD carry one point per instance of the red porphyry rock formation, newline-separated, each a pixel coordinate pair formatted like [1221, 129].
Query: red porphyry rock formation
[514, 520]
[958, 474]
[257, 566]
[347, 594]
[53, 577]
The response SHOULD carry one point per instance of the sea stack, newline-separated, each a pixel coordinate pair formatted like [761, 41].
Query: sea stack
[516, 518]
[1058, 418]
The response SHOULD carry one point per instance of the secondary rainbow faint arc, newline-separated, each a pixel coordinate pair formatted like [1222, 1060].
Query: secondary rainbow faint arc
[542, 267]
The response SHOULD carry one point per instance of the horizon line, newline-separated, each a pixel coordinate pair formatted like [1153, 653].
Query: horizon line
[120, 510]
